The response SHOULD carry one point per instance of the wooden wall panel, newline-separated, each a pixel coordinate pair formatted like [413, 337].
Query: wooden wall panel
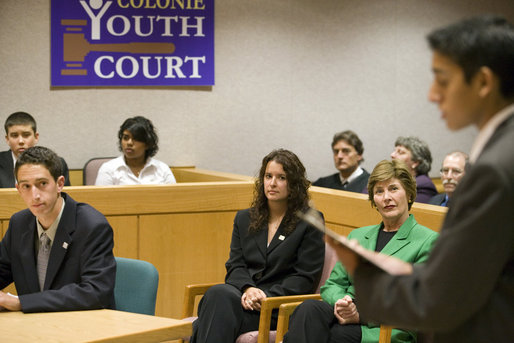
[126, 236]
[185, 249]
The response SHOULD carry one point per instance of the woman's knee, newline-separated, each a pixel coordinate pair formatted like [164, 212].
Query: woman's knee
[222, 293]
[311, 309]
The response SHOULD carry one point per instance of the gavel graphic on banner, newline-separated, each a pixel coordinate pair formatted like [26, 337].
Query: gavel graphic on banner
[76, 47]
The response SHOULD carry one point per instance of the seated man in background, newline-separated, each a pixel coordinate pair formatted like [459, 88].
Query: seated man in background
[57, 252]
[416, 154]
[348, 150]
[452, 171]
[20, 134]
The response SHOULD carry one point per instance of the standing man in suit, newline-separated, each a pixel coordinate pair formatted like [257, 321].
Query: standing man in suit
[58, 252]
[20, 134]
[348, 150]
[452, 171]
[465, 291]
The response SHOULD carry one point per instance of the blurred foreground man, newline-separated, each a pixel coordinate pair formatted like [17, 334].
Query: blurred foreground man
[465, 291]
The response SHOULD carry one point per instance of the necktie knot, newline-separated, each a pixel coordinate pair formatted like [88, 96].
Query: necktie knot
[45, 241]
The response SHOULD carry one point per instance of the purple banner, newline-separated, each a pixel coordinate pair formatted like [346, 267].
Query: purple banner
[132, 42]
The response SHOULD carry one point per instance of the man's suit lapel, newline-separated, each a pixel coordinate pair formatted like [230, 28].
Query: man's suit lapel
[28, 256]
[505, 126]
[62, 240]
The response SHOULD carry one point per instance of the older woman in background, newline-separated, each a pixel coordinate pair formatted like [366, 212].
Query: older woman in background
[272, 253]
[391, 190]
[416, 155]
[138, 142]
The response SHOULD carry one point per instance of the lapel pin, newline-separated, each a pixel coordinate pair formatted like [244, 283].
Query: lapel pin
[65, 245]
[281, 237]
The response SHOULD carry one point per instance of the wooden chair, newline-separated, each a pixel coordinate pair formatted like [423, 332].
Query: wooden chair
[286, 310]
[264, 335]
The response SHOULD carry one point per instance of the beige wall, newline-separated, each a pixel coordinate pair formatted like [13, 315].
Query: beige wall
[289, 73]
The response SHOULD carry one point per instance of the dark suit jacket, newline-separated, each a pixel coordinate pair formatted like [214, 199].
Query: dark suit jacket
[425, 189]
[7, 170]
[438, 199]
[80, 276]
[465, 291]
[291, 264]
[334, 181]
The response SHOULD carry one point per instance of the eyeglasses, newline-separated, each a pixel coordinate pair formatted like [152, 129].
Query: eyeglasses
[447, 171]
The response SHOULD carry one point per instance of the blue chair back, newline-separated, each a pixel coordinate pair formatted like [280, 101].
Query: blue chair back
[136, 286]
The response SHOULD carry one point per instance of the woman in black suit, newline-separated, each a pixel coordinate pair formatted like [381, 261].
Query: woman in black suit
[272, 253]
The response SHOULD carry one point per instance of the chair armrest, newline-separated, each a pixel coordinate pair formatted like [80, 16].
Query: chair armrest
[267, 306]
[284, 312]
[192, 291]
[385, 334]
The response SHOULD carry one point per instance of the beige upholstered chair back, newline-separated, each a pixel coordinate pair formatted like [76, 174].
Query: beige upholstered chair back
[90, 170]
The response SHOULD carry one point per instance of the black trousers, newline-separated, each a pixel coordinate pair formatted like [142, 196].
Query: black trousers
[314, 321]
[221, 318]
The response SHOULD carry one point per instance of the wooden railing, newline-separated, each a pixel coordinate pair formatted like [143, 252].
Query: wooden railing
[185, 229]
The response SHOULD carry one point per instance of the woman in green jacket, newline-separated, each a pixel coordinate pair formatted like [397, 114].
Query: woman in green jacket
[392, 190]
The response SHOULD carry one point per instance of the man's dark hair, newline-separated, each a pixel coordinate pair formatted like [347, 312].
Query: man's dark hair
[477, 42]
[42, 156]
[351, 138]
[20, 118]
[142, 130]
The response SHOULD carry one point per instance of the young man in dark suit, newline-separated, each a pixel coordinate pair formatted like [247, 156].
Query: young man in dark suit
[58, 252]
[465, 291]
[20, 134]
[347, 149]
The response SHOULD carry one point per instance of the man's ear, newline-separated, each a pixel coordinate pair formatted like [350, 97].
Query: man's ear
[486, 81]
[36, 136]
[60, 183]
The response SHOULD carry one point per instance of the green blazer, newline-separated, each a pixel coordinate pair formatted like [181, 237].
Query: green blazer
[412, 243]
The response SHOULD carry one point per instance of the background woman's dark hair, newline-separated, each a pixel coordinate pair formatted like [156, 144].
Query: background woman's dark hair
[297, 185]
[142, 130]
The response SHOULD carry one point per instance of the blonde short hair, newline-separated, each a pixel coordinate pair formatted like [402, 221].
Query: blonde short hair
[386, 170]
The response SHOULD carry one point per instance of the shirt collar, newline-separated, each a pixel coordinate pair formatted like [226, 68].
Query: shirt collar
[150, 161]
[488, 130]
[52, 230]
[356, 173]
